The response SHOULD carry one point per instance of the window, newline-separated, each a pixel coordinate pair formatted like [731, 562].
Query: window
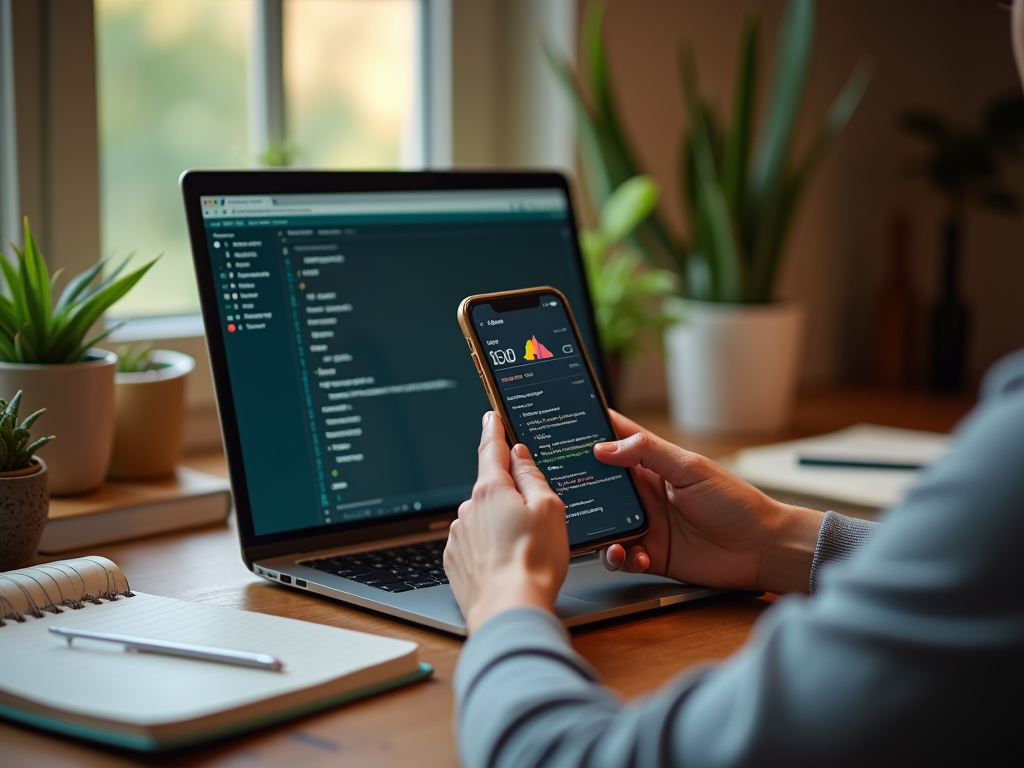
[349, 79]
[172, 89]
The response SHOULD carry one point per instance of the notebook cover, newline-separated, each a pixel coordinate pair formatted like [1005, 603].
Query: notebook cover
[149, 744]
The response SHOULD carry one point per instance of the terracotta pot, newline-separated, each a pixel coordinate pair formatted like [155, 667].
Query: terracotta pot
[732, 368]
[79, 403]
[24, 505]
[149, 418]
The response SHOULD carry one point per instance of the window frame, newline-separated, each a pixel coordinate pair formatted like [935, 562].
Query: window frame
[53, 173]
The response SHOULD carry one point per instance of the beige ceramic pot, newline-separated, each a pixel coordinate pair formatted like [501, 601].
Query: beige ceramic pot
[79, 403]
[150, 418]
[24, 505]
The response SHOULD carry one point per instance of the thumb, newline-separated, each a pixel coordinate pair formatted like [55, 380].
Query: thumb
[529, 480]
[676, 466]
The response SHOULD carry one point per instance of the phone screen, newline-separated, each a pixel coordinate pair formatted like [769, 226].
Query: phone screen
[555, 411]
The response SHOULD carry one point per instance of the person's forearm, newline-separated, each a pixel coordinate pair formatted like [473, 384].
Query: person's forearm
[789, 553]
[519, 686]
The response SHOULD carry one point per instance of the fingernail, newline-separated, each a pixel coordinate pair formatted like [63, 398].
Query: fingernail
[613, 557]
[606, 447]
[641, 562]
[487, 417]
[522, 451]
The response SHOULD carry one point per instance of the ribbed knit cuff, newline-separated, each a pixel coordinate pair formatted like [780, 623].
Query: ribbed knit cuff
[839, 539]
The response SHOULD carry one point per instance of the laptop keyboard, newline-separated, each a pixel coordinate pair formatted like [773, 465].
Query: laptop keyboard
[398, 569]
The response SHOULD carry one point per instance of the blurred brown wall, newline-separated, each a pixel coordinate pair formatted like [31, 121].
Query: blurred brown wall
[947, 54]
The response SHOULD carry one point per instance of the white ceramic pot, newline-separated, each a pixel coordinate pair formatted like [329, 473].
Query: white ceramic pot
[79, 403]
[149, 418]
[732, 368]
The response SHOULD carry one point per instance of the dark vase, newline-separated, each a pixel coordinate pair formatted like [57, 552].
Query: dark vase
[950, 320]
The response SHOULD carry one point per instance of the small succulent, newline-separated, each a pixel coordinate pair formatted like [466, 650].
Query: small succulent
[16, 450]
[136, 359]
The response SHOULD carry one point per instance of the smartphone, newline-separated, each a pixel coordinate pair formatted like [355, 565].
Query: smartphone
[539, 379]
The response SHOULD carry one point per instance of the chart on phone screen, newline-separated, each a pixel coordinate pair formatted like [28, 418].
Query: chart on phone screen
[555, 411]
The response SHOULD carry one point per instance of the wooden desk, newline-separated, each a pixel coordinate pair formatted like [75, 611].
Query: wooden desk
[413, 726]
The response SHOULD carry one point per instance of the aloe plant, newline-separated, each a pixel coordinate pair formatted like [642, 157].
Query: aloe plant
[741, 191]
[625, 291]
[137, 358]
[35, 330]
[16, 445]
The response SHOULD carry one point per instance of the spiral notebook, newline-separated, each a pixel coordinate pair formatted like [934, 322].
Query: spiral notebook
[149, 702]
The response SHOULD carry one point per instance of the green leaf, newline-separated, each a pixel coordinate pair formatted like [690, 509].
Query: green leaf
[13, 406]
[628, 205]
[29, 450]
[777, 209]
[76, 286]
[69, 337]
[36, 288]
[737, 143]
[29, 421]
[716, 226]
[792, 56]
[85, 346]
[606, 157]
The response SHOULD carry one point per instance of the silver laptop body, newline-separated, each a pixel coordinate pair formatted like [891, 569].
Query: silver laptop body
[349, 406]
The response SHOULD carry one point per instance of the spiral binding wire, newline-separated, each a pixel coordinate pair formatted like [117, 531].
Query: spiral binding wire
[112, 591]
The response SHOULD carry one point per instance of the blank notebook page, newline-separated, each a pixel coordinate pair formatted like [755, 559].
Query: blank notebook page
[102, 680]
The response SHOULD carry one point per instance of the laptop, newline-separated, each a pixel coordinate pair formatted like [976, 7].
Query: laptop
[349, 404]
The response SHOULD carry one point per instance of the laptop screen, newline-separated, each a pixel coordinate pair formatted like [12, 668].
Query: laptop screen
[355, 396]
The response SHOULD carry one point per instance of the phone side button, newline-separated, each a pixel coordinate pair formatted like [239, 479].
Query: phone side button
[476, 362]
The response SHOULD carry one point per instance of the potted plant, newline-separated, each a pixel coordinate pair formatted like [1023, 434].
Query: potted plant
[626, 293]
[733, 358]
[964, 164]
[46, 351]
[24, 496]
[149, 412]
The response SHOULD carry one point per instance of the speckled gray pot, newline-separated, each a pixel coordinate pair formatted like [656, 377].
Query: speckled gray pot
[24, 505]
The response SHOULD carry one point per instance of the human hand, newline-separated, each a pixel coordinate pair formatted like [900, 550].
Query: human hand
[706, 525]
[509, 547]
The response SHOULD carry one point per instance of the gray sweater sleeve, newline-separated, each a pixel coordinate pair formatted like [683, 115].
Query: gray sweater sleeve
[910, 652]
[839, 539]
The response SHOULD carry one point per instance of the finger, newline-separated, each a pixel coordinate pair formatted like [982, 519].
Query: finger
[677, 466]
[624, 427]
[529, 480]
[613, 557]
[638, 559]
[493, 463]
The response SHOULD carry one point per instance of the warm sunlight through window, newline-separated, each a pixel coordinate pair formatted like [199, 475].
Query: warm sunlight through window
[172, 82]
[171, 76]
[349, 78]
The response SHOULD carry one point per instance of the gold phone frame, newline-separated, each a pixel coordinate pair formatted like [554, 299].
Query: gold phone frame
[477, 352]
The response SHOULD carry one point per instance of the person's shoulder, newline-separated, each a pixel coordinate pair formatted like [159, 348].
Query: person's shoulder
[1005, 378]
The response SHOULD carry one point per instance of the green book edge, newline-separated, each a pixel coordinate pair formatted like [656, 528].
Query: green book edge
[149, 744]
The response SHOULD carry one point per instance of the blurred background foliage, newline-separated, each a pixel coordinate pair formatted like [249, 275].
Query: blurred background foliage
[741, 182]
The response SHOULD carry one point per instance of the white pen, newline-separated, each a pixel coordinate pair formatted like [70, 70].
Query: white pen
[184, 650]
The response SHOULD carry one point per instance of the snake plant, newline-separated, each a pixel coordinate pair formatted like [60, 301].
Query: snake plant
[35, 330]
[741, 186]
[16, 448]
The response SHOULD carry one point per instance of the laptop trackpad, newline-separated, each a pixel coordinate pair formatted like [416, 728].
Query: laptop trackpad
[592, 583]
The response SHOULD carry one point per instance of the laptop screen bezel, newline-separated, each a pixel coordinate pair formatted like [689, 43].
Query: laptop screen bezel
[195, 185]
